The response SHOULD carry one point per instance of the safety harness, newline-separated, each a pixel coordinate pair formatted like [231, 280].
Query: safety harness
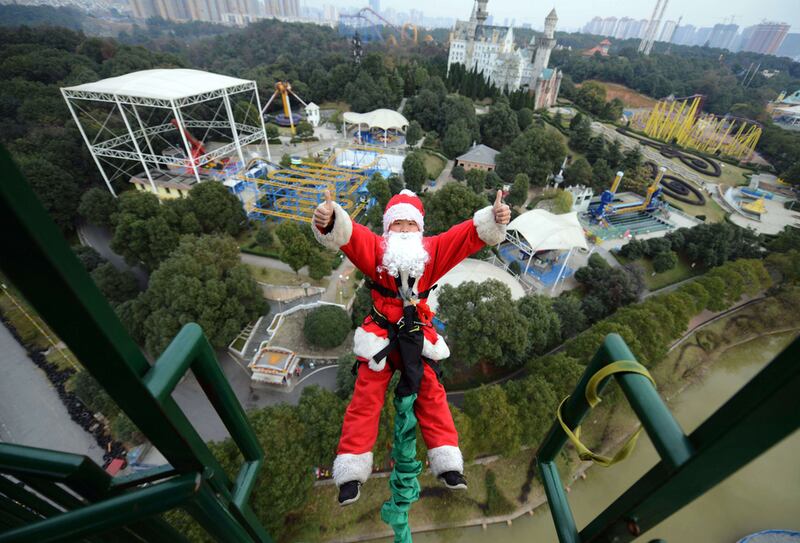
[406, 334]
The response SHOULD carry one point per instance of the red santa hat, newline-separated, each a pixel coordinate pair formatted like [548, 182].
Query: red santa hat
[404, 206]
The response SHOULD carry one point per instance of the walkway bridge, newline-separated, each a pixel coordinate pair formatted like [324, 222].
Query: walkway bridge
[48, 495]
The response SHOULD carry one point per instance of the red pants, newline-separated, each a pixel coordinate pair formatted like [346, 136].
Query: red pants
[360, 428]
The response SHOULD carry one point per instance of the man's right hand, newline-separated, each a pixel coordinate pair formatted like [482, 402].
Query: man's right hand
[323, 215]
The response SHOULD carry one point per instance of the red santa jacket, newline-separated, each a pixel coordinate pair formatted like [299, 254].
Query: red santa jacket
[365, 250]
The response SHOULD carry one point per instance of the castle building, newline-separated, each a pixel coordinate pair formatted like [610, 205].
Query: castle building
[490, 50]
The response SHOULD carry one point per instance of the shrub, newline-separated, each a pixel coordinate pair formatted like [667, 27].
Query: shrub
[664, 261]
[458, 173]
[326, 326]
[496, 502]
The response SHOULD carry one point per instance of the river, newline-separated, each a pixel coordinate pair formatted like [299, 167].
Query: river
[764, 494]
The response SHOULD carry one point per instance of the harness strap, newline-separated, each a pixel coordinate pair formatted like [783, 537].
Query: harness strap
[389, 293]
[592, 398]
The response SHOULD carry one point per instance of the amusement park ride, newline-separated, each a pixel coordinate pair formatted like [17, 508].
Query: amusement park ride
[679, 120]
[287, 118]
[601, 212]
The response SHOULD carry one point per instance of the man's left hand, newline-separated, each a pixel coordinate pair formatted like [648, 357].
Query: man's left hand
[502, 213]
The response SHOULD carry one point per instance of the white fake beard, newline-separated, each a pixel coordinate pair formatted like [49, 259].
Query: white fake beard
[404, 252]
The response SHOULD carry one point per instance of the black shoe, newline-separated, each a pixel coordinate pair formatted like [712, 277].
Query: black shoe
[453, 480]
[349, 492]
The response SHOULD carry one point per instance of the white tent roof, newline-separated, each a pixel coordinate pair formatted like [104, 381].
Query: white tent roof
[545, 232]
[384, 119]
[162, 84]
[478, 271]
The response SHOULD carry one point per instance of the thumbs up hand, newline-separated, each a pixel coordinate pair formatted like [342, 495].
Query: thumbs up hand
[323, 215]
[502, 213]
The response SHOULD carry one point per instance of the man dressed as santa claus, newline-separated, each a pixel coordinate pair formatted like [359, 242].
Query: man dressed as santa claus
[401, 268]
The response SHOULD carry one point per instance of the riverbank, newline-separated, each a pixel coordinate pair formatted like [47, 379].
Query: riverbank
[439, 509]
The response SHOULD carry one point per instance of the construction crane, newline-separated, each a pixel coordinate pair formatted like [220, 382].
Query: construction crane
[284, 89]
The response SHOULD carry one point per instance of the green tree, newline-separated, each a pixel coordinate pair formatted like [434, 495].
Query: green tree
[296, 248]
[265, 235]
[362, 305]
[319, 264]
[544, 325]
[395, 184]
[485, 407]
[141, 231]
[612, 110]
[326, 326]
[449, 206]
[414, 133]
[664, 261]
[519, 190]
[286, 160]
[476, 180]
[580, 132]
[322, 412]
[414, 172]
[560, 371]
[88, 256]
[562, 203]
[55, 188]
[345, 380]
[591, 96]
[272, 131]
[578, 173]
[596, 149]
[378, 188]
[632, 159]
[97, 205]
[524, 118]
[117, 286]
[304, 129]
[602, 174]
[457, 139]
[536, 404]
[614, 154]
[202, 281]
[483, 324]
[537, 153]
[570, 315]
[458, 173]
[217, 210]
[500, 126]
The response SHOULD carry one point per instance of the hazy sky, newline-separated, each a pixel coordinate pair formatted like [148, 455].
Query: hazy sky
[575, 13]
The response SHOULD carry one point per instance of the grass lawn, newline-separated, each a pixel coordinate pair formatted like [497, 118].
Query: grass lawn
[324, 520]
[341, 106]
[433, 164]
[733, 175]
[280, 277]
[655, 281]
[290, 336]
[710, 209]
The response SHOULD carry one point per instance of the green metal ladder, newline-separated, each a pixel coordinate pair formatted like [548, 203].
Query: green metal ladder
[54, 496]
[762, 413]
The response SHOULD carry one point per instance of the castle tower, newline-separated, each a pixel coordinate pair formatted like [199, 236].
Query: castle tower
[543, 46]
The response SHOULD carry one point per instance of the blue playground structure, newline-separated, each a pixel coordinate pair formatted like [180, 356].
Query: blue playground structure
[545, 267]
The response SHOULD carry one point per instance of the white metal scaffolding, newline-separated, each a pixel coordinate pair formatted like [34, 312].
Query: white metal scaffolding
[159, 120]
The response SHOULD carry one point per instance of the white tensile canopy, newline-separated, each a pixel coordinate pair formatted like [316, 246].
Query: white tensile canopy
[384, 119]
[540, 230]
[161, 84]
[545, 231]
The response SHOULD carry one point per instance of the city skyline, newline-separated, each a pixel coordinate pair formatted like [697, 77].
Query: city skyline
[576, 13]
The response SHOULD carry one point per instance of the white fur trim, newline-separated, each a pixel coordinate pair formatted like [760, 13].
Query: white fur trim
[435, 351]
[403, 211]
[341, 232]
[352, 467]
[407, 192]
[489, 231]
[366, 345]
[442, 459]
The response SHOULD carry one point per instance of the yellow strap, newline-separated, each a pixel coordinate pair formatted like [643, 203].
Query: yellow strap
[592, 398]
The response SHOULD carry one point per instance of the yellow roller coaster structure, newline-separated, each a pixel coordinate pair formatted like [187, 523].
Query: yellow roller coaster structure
[681, 121]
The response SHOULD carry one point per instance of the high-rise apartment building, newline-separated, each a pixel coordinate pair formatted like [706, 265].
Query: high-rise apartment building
[375, 5]
[667, 30]
[764, 38]
[723, 36]
[684, 35]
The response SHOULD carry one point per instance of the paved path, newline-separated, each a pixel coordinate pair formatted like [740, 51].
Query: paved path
[194, 403]
[99, 238]
[31, 413]
[267, 262]
[444, 177]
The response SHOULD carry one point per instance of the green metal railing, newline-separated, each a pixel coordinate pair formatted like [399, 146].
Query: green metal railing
[763, 412]
[34, 503]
